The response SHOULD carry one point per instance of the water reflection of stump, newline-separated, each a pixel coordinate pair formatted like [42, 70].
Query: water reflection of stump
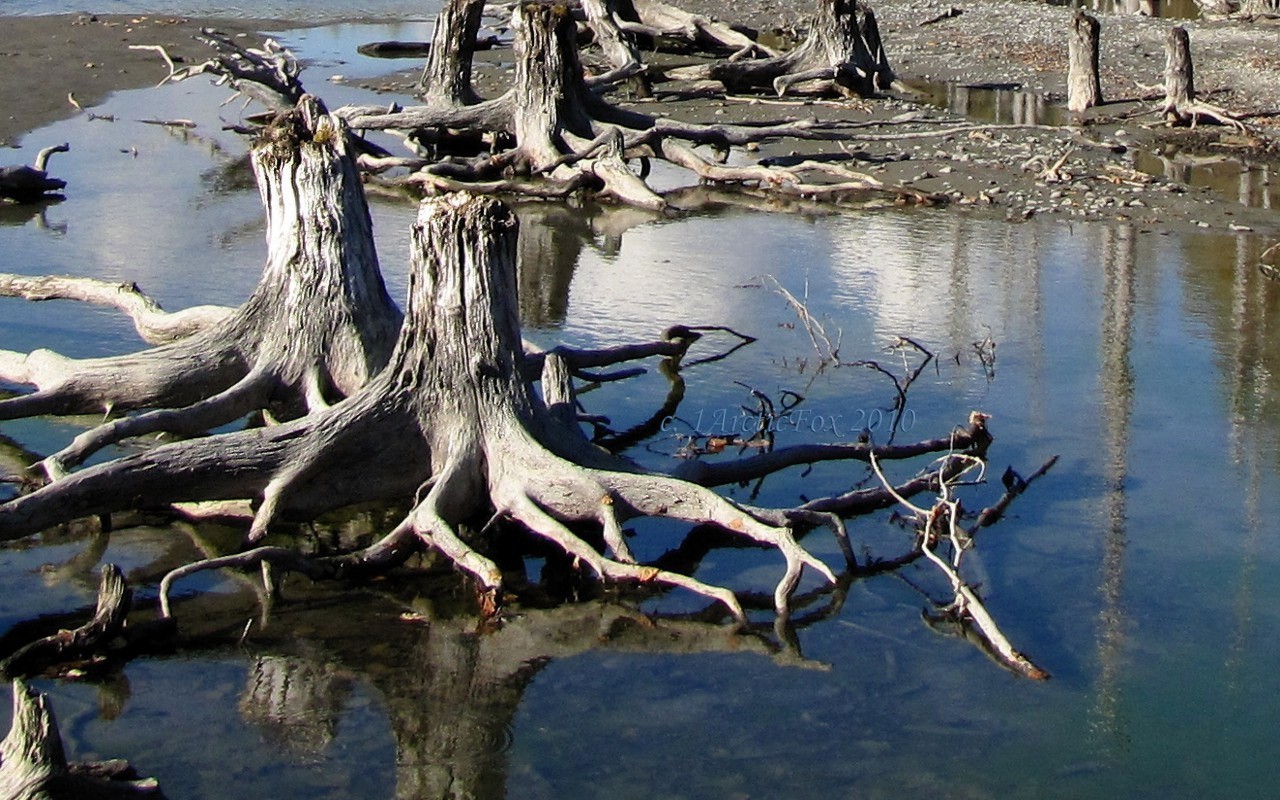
[296, 701]
[551, 239]
[451, 692]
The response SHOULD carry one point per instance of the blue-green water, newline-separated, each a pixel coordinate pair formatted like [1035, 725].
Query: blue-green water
[1139, 572]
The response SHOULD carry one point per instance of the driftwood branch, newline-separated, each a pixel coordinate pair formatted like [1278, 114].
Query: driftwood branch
[941, 523]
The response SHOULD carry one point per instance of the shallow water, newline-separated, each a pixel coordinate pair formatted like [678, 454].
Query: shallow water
[1139, 572]
[301, 10]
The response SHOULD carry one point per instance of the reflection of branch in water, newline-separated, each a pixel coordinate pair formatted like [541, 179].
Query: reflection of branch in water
[16, 462]
[17, 215]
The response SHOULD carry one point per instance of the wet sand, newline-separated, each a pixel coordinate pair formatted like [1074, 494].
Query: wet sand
[43, 59]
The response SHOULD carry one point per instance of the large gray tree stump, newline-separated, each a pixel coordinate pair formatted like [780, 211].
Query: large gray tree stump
[318, 325]
[843, 49]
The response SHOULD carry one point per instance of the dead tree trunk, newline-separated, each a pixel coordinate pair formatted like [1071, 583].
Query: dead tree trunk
[1180, 104]
[33, 765]
[446, 79]
[843, 49]
[660, 20]
[1084, 86]
[317, 327]
[1179, 77]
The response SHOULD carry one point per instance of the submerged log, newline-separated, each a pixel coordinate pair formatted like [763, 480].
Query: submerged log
[1084, 86]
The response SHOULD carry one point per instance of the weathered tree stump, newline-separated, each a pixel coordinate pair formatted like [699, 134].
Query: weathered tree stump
[317, 326]
[843, 49]
[1179, 76]
[1180, 104]
[568, 139]
[446, 78]
[33, 764]
[619, 48]
[1084, 85]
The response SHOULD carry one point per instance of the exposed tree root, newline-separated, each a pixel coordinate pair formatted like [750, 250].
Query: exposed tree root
[87, 642]
[153, 323]
[317, 326]
[843, 50]
[552, 136]
[621, 55]
[454, 422]
[664, 21]
[268, 74]
[568, 139]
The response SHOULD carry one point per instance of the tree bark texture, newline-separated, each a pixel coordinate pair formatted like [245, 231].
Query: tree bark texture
[1084, 85]
[453, 414]
[446, 79]
[316, 328]
[1180, 104]
[1179, 76]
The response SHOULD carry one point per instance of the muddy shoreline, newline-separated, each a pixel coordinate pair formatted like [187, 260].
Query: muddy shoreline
[1122, 165]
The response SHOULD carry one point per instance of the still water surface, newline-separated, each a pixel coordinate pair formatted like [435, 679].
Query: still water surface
[1141, 572]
